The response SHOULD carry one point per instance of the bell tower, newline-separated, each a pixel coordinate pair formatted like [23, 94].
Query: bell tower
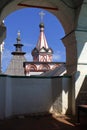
[18, 46]
[15, 66]
[42, 52]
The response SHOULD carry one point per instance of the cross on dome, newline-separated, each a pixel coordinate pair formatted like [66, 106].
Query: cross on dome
[19, 34]
[42, 52]
[18, 37]
[41, 15]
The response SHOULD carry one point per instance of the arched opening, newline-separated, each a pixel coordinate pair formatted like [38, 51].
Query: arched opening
[65, 17]
[27, 21]
[71, 51]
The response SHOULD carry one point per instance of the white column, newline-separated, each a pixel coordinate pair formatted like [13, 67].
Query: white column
[0, 63]
[2, 37]
[68, 96]
[82, 59]
[81, 38]
[1, 51]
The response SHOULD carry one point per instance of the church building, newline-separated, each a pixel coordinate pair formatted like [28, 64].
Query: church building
[42, 56]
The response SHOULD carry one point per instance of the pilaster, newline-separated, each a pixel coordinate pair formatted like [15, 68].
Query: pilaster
[81, 38]
[71, 52]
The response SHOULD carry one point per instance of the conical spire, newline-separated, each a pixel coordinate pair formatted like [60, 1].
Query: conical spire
[42, 42]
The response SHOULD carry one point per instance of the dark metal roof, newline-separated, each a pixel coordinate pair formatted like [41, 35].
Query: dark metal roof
[56, 72]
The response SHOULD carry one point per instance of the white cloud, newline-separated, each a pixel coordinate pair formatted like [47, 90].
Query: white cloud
[6, 57]
[28, 45]
[56, 56]
[28, 49]
[29, 56]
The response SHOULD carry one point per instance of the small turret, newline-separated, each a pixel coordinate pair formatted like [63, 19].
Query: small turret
[15, 66]
[42, 52]
[18, 46]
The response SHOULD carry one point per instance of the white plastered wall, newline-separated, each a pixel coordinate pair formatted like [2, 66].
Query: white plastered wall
[25, 95]
[81, 37]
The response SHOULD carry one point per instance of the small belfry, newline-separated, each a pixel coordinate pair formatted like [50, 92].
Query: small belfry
[18, 46]
[16, 64]
[42, 52]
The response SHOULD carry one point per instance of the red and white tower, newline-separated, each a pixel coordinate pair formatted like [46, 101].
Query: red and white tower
[42, 55]
[42, 52]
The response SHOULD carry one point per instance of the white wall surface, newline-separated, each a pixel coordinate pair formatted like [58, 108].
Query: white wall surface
[81, 38]
[29, 95]
[2, 96]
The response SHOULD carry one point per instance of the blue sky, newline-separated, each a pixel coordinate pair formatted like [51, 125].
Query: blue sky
[27, 21]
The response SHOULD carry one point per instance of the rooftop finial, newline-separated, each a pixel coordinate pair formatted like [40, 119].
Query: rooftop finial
[18, 34]
[41, 15]
[18, 37]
